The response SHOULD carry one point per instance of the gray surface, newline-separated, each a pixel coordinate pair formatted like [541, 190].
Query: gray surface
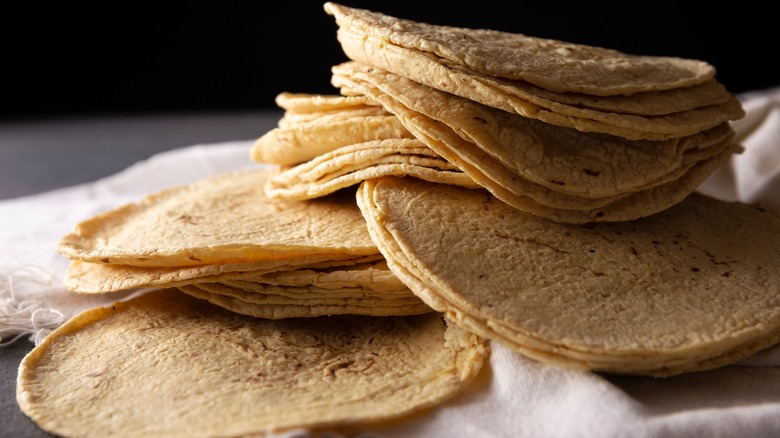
[40, 155]
[37, 156]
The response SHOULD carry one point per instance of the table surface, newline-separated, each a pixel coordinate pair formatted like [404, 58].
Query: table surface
[40, 155]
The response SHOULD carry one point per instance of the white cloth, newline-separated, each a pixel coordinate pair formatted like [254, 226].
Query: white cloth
[514, 396]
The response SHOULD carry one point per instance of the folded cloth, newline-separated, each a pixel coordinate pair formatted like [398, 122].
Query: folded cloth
[754, 175]
[515, 396]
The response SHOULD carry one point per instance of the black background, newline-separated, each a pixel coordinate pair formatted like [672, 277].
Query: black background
[141, 57]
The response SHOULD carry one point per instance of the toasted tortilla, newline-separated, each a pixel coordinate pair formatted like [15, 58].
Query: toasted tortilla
[349, 165]
[166, 364]
[587, 88]
[691, 288]
[561, 159]
[551, 64]
[582, 173]
[226, 218]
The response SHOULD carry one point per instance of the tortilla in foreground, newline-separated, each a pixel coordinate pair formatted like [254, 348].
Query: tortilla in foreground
[167, 364]
[692, 288]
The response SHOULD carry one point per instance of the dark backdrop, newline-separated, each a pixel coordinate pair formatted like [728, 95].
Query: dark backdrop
[127, 57]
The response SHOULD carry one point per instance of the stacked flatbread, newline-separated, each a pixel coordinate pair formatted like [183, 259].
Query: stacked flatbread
[325, 143]
[166, 364]
[223, 240]
[568, 132]
[692, 288]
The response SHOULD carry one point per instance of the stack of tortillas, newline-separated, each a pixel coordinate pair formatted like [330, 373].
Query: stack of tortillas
[463, 186]
[568, 132]
[223, 240]
[569, 135]
[691, 288]
[327, 143]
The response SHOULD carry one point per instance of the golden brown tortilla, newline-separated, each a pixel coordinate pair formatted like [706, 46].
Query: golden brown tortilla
[691, 288]
[166, 364]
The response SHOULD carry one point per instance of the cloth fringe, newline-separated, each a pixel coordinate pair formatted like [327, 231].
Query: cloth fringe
[29, 316]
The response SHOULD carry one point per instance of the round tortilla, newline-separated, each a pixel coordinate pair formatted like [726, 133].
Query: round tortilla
[551, 64]
[691, 288]
[408, 49]
[226, 218]
[166, 364]
[298, 143]
[701, 111]
[349, 165]
[277, 303]
[689, 161]
[561, 159]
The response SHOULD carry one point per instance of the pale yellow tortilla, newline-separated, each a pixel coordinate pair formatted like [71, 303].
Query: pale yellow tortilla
[222, 219]
[561, 159]
[349, 165]
[493, 92]
[306, 103]
[299, 143]
[275, 302]
[653, 114]
[370, 273]
[555, 65]
[315, 124]
[99, 278]
[169, 365]
[455, 144]
[691, 288]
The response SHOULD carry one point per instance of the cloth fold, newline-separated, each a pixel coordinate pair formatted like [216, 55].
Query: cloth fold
[32, 299]
[515, 396]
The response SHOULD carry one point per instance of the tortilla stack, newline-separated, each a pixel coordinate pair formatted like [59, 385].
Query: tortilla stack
[692, 288]
[325, 143]
[314, 124]
[558, 173]
[591, 89]
[203, 236]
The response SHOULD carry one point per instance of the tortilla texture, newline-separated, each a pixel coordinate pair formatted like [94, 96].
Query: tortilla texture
[551, 64]
[165, 364]
[692, 288]
[222, 219]
[349, 165]
[315, 124]
[580, 173]
[591, 89]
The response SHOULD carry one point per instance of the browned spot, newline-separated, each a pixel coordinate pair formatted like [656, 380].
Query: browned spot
[187, 219]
